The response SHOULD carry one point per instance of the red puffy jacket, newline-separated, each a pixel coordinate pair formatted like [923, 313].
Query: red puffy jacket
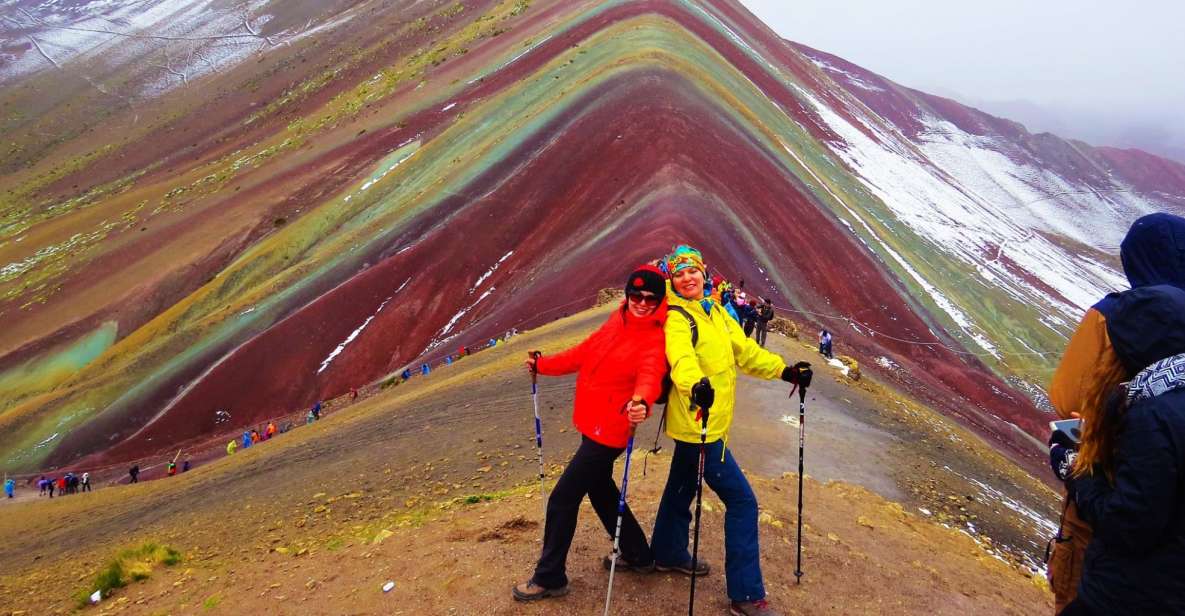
[625, 357]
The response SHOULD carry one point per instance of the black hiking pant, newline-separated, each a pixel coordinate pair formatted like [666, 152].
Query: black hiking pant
[762, 330]
[1076, 608]
[747, 326]
[590, 472]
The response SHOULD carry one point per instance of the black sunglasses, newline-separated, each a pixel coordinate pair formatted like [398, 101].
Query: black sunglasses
[649, 300]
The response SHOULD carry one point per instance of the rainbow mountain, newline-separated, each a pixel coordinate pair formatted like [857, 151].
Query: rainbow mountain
[251, 207]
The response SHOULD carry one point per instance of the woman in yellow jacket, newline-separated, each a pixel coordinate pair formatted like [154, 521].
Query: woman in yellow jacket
[719, 348]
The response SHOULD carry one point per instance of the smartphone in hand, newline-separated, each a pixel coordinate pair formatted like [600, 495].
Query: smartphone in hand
[1067, 431]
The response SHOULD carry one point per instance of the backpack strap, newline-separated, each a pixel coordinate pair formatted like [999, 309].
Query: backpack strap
[690, 322]
[663, 420]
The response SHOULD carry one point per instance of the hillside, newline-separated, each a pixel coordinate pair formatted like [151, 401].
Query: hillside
[254, 207]
[430, 484]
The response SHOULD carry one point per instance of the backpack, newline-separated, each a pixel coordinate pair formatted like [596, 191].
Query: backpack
[667, 383]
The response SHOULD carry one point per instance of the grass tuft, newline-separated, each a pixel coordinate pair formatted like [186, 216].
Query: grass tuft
[130, 565]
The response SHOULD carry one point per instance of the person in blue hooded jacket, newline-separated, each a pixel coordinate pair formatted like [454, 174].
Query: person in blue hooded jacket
[9, 487]
[1127, 478]
[246, 439]
[1153, 253]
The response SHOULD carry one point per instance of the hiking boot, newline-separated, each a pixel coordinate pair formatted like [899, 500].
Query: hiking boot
[625, 565]
[759, 607]
[530, 591]
[701, 570]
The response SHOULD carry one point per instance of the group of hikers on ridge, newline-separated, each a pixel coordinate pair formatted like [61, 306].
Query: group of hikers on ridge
[620, 371]
[68, 483]
[1121, 545]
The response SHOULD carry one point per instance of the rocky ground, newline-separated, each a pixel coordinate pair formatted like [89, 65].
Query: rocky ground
[430, 485]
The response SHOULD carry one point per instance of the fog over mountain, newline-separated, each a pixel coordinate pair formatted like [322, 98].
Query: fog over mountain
[1105, 73]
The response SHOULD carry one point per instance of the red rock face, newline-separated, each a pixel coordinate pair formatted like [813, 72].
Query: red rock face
[503, 181]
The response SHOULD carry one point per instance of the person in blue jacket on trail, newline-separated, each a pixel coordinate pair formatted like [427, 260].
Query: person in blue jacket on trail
[9, 487]
[246, 439]
[425, 369]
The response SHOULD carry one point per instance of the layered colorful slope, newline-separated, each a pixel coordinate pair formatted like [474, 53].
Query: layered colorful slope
[393, 180]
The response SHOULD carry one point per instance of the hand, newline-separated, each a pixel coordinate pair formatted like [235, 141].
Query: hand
[702, 394]
[799, 374]
[532, 358]
[1061, 459]
[636, 411]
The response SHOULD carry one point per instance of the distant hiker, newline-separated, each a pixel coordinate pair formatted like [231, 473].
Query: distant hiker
[620, 368]
[1126, 480]
[749, 317]
[270, 431]
[52, 486]
[461, 352]
[185, 465]
[825, 344]
[425, 369]
[86, 482]
[716, 292]
[493, 342]
[1152, 253]
[715, 351]
[42, 486]
[353, 393]
[309, 418]
[448, 360]
[406, 374]
[246, 439]
[62, 481]
[765, 314]
[725, 290]
[9, 487]
[232, 447]
[171, 468]
[255, 437]
[317, 411]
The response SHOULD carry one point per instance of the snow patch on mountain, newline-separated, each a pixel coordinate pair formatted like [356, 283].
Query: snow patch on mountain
[960, 193]
[848, 77]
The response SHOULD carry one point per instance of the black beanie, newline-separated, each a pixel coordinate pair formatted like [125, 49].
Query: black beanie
[647, 278]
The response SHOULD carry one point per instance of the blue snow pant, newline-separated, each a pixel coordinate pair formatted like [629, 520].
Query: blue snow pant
[742, 565]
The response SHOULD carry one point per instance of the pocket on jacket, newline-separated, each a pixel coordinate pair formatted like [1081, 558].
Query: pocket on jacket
[1065, 570]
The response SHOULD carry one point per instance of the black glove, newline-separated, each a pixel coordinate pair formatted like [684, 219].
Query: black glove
[799, 374]
[1061, 459]
[702, 394]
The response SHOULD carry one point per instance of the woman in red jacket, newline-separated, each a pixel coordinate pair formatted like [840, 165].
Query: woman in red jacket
[619, 369]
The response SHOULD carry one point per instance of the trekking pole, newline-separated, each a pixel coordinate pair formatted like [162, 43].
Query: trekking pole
[801, 448]
[699, 498]
[538, 428]
[625, 480]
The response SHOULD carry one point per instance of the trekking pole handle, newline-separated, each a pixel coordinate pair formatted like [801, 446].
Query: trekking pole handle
[534, 370]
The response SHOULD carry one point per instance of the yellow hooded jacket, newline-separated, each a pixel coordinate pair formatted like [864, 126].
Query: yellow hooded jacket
[722, 347]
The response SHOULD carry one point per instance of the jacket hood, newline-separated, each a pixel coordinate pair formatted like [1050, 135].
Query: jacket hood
[1146, 325]
[1153, 252]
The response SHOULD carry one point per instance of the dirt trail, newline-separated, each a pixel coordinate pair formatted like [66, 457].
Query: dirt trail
[327, 491]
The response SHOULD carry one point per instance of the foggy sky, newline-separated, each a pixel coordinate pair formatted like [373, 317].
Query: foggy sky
[1110, 73]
